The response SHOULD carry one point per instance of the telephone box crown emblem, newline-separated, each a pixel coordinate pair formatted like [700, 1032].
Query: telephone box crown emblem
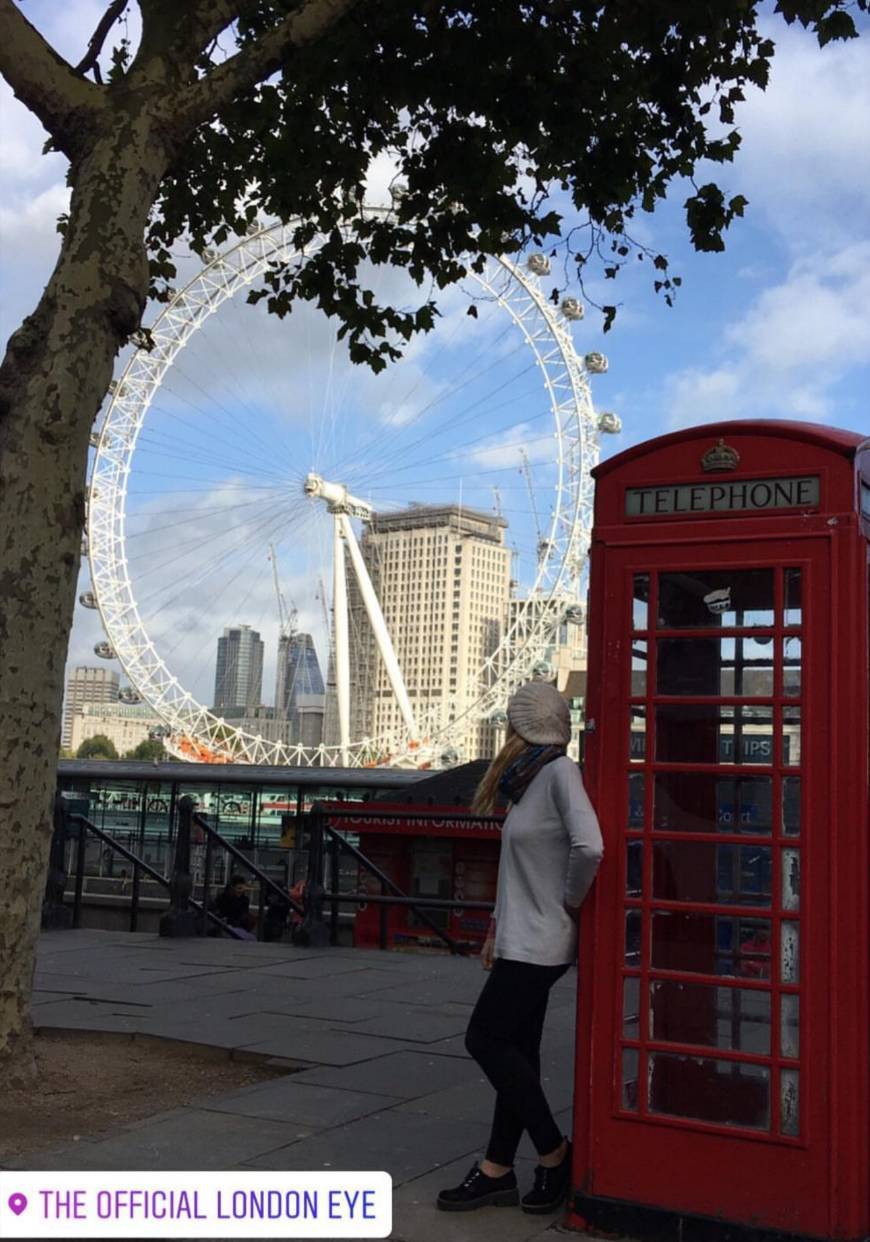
[721, 457]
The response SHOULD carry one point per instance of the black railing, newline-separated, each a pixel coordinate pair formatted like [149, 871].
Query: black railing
[187, 916]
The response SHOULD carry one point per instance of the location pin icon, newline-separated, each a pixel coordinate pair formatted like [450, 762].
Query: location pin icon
[18, 1203]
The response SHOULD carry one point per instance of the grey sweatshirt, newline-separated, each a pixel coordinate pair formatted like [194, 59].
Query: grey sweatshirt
[550, 851]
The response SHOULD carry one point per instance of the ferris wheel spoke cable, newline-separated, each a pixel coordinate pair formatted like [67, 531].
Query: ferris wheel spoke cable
[466, 377]
[195, 515]
[211, 463]
[390, 465]
[242, 447]
[231, 421]
[261, 535]
[280, 506]
[453, 455]
[387, 464]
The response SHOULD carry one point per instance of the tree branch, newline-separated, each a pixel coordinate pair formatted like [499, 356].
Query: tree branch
[91, 60]
[43, 81]
[306, 25]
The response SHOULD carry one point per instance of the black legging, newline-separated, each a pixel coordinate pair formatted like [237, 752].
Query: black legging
[504, 1037]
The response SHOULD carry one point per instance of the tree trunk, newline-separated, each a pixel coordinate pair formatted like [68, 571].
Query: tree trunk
[54, 376]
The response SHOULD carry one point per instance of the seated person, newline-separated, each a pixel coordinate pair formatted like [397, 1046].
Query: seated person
[233, 905]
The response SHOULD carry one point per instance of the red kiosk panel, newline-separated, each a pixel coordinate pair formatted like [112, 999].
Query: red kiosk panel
[719, 964]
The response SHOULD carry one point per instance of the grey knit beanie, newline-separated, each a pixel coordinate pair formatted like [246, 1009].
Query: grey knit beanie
[540, 714]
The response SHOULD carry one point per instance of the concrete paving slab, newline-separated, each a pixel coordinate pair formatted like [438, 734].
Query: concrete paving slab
[323, 1047]
[285, 1099]
[347, 1010]
[418, 1025]
[187, 1139]
[407, 1074]
[402, 1143]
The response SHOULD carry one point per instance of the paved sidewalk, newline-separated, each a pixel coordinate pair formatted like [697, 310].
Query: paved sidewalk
[378, 1077]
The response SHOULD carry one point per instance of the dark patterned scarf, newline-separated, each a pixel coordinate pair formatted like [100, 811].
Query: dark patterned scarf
[517, 777]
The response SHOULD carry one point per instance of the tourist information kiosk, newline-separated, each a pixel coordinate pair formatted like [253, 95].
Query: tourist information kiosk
[723, 1062]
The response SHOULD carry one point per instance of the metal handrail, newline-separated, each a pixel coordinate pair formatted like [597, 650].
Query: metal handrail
[265, 880]
[85, 825]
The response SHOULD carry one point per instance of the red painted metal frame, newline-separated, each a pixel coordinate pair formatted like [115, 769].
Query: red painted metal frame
[817, 1183]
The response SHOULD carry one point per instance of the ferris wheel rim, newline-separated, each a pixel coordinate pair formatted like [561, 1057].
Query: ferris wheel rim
[186, 311]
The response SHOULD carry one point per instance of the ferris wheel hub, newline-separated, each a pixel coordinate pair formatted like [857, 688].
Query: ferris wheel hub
[336, 496]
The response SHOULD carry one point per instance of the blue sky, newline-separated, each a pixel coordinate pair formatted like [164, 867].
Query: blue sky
[777, 326]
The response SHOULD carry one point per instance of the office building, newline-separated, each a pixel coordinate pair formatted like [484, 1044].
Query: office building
[442, 576]
[298, 672]
[238, 681]
[86, 685]
[124, 725]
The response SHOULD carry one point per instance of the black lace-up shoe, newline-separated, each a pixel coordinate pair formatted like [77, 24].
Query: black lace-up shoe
[550, 1189]
[479, 1191]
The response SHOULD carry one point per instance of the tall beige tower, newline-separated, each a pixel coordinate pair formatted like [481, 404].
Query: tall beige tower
[442, 575]
[86, 685]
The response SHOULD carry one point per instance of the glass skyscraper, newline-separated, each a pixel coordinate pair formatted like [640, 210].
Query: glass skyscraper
[238, 681]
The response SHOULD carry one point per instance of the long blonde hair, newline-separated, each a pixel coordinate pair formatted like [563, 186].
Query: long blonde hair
[486, 795]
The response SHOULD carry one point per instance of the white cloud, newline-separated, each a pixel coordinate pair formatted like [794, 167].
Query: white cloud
[804, 159]
[796, 341]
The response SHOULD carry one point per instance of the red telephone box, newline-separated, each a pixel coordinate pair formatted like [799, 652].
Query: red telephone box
[723, 1060]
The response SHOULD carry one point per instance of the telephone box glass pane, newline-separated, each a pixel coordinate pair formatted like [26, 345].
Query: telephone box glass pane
[791, 879]
[725, 1092]
[632, 938]
[637, 734]
[789, 1025]
[791, 805]
[737, 1019]
[636, 799]
[789, 1102]
[791, 666]
[711, 944]
[791, 736]
[631, 1008]
[629, 1078]
[790, 953]
[707, 598]
[638, 666]
[640, 606]
[793, 614]
[634, 869]
[715, 666]
[699, 871]
[700, 802]
[708, 733]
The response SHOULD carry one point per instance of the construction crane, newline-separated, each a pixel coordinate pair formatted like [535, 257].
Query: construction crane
[543, 545]
[287, 618]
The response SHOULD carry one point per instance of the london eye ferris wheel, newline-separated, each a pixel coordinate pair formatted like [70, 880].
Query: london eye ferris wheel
[241, 461]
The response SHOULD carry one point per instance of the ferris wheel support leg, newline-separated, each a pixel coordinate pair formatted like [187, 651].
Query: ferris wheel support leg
[379, 626]
[342, 653]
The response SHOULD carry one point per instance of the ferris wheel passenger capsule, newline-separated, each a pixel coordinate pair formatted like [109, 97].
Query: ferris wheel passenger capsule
[449, 757]
[94, 439]
[209, 254]
[104, 651]
[575, 614]
[87, 599]
[538, 264]
[596, 364]
[398, 191]
[253, 229]
[610, 423]
[542, 671]
[498, 718]
[128, 695]
[84, 545]
[572, 309]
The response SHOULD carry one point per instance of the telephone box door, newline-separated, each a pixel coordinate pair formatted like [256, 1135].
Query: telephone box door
[711, 751]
